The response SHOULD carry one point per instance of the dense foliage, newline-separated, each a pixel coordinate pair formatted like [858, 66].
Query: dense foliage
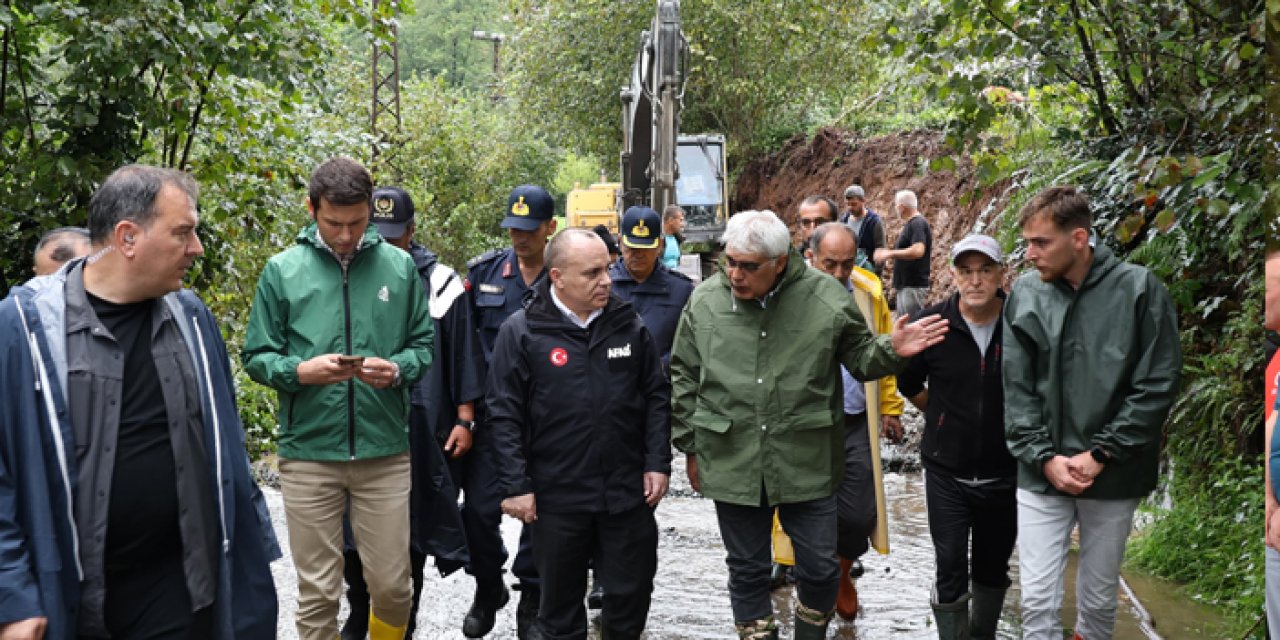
[1160, 112]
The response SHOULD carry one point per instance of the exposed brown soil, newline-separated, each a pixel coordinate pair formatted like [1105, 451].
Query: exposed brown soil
[834, 159]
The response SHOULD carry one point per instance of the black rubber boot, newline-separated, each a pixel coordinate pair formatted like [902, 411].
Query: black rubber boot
[811, 624]
[984, 611]
[484, 609]
[527, 612]
[952, 618]
[357, 625]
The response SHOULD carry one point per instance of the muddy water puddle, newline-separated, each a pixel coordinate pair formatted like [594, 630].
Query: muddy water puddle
[691, 598]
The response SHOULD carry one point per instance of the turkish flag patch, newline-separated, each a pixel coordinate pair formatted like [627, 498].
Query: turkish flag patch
[559, 357]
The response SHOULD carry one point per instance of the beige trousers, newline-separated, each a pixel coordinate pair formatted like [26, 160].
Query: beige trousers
[315, 497]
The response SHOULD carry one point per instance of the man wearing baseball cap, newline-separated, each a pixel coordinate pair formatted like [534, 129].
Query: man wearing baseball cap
[498, 281]
[970, 477]
[657, 293]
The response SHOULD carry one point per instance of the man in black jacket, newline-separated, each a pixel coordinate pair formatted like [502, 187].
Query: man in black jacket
[581, 423]
[970, 477]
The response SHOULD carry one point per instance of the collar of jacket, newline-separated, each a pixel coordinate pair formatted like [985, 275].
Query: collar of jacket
[949, 309]
[657, 280]
[543, 314]
[310, 236]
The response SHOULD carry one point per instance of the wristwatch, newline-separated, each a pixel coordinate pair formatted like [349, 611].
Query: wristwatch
[469, 424]
[1099, 454]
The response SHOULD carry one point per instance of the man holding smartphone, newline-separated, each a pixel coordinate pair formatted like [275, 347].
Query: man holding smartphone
[441, 418]
[341, 328]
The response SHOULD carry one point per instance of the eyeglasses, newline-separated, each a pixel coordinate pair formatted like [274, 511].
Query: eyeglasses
[812, 222]
[985, 272]
[727, 263]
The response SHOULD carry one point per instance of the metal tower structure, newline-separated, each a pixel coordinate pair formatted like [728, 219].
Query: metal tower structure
[385, 113]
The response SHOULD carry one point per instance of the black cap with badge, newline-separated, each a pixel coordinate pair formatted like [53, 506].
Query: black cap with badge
[392, 211]
[641, 228]
[528, 207]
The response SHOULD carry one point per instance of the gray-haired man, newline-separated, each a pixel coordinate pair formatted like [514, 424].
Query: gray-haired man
[758, 409]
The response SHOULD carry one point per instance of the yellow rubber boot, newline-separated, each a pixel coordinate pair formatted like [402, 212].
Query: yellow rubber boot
[379, 630]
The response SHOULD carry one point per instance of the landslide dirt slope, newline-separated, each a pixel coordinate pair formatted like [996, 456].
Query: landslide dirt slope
[834, 159]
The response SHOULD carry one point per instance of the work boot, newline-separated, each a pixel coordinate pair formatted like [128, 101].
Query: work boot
[984, 611]
[762, 629]
[379, 630]
[595, 599]
[847, 597]
[527, 612]
[811, 624]
[952, 618]
[357, 624]
[484, 609]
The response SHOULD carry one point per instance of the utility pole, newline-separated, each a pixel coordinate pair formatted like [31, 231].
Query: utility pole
[496, 39]
[385, 71]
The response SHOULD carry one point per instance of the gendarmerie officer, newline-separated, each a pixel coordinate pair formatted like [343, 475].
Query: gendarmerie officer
[499, 281]
[579, 412]
[656, 293]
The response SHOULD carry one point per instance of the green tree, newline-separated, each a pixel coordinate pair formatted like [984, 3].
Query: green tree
[88, 86]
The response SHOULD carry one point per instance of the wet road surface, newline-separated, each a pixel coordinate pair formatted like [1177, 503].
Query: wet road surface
[691, 599]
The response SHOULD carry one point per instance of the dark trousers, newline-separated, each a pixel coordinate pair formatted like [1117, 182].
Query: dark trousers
[624, 548]
[746, 532]
[481, 510]
[856, 497]
[989, 513]
[152, 602]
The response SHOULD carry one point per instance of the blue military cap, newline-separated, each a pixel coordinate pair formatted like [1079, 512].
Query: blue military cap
[641, 228]
[528, 207]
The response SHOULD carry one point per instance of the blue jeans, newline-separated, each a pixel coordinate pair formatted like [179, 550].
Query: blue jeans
[746, 532]
[1044, 537]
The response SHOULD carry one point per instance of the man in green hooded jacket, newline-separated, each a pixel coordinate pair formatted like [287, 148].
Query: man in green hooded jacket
[758, 409]
[340, 328]
[1091, 369]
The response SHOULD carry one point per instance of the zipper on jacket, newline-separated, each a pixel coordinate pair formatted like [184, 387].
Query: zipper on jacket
[351, 384]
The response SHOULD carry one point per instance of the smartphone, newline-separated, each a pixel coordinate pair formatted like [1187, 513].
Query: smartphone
[351, 361]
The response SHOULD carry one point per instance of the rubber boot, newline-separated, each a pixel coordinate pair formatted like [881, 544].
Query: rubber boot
[379, 630]
[984, 611]
[357, 625]
[527, 612]
[811, 624]
[847, 597]
[762, 629]
[952, 618]
[417, 562]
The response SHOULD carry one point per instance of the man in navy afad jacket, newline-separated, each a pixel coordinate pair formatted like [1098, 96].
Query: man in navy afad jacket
[580, 417]
[127, 508]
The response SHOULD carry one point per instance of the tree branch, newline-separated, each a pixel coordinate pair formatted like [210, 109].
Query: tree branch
[1063, 62]
[204, 92]
[1099, 87]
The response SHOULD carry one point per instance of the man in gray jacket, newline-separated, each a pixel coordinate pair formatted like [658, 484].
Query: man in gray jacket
[127, 509]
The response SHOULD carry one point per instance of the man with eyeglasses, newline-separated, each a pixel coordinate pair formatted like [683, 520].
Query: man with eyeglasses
[813, 212]
[758, 411]
[970, 477]
[866, 224]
